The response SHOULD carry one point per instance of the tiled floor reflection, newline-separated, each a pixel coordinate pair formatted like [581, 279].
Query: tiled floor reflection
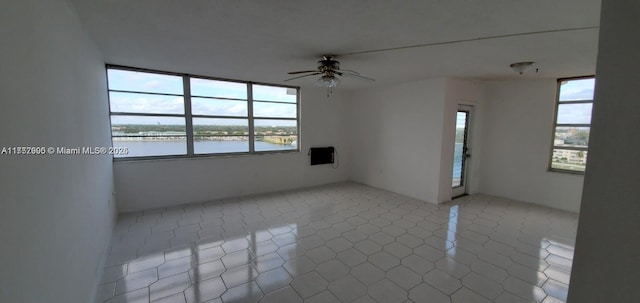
[341, 243]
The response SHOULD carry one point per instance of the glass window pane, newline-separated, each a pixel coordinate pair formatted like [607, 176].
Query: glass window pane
[149, 136]
[275, 125]
[216, 88]
[457, 166]
[274, 93]
[574, 90]
[269, 143]
[144, 82]
[151, 146]
[206, 145]
[220, 135]
[275, 135]
[574, 160]
[145, 126]
[574, 113]
[274, 110]
[145, 103]
[218, 107]
[571, 136]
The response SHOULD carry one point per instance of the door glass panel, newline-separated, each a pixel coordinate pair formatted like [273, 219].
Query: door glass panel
[458, 152]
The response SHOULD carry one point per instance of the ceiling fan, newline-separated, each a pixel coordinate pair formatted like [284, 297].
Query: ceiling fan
[329, 70]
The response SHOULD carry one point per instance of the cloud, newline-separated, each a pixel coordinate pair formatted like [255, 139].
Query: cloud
[119, 120]
[223, 122]
[272, 93]
[276, 110]
[577, 90]
[220, 89]
[574, 113]
[218, 107]
[144, 82]
[142, 103]
[269, 123]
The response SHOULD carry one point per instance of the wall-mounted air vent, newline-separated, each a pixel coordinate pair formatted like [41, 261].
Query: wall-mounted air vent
[322, 155]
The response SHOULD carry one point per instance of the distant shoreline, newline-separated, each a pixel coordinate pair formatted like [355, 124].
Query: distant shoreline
[267, 139]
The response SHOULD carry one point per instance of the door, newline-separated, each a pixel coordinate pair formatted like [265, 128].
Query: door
[461, 151]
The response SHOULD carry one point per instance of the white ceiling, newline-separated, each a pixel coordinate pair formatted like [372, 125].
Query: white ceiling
[263, 40]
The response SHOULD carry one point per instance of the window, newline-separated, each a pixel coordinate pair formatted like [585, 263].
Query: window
[572, 124]
[159, 114]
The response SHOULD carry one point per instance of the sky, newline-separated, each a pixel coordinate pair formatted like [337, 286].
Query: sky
[207, 92]
[574, 90]
[461, 119]
[207, 102]
[581, 89]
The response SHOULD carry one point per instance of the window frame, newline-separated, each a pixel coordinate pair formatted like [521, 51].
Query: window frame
[555, 125]
[189, 117]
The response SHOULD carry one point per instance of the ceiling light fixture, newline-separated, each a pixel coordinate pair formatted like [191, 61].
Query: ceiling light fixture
[521, 67]
[328, 81]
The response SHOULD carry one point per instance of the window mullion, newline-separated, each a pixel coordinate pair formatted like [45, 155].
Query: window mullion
[252, 148]
[187, 113]
[575, 101]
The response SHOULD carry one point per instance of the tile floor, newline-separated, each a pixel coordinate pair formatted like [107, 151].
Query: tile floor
[341, 243]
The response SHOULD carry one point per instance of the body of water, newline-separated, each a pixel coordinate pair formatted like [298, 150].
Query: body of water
[165, 148]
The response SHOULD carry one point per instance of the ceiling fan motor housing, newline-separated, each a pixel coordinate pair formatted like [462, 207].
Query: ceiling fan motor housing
[328, 64]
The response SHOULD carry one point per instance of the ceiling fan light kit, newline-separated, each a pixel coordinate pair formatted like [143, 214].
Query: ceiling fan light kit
[329, 70]
[328, 81]
[521, 67]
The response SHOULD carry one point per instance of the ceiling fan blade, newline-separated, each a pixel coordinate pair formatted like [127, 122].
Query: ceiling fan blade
[357, 77]
[302, 72]
[350, 71]
[316, 73]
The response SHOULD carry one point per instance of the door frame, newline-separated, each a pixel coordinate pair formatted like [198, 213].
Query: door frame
[463, 188]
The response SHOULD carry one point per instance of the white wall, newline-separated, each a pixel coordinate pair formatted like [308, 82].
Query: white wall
[607, 255]
[396, 133]
[403, 135]
[56, 212]
[518, 122]
[159, 183]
